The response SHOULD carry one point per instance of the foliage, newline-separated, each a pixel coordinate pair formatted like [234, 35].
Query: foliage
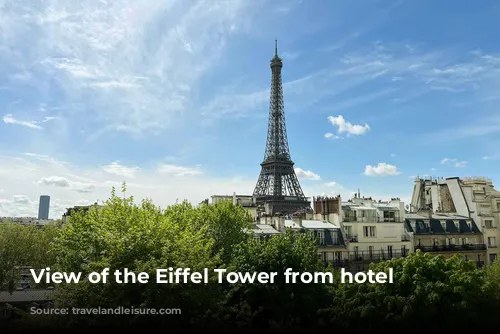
[427, 290]
[121, 234]
[280, 303]
[226, 225]
[24, 246]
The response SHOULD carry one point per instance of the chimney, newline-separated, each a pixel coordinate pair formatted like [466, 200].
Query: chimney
[297, 220]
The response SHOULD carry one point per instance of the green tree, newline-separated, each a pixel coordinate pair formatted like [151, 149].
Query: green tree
[427, 290]
[24, 246]
[280, 304]
[227, 225]
[142, 238]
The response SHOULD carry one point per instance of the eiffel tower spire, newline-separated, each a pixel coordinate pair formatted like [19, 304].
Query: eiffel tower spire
[278, 188]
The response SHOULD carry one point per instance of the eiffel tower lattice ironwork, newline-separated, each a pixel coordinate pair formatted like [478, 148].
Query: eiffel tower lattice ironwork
[278, 189]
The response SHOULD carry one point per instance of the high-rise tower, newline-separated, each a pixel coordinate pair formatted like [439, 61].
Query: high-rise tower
[43, 207]
[278, 189]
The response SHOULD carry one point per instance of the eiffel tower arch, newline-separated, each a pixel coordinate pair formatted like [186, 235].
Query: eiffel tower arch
[278, 189]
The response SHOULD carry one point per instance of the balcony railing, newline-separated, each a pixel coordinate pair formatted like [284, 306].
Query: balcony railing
[352, 237]
[360, 261]
[452, 248]
[371, 220]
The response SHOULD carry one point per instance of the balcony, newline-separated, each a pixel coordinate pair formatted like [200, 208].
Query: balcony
[334, 244]
[452, 248]
[352, 237]
[370, 220]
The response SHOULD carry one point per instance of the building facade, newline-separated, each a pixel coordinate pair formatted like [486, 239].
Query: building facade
[456, 215]
[248, 202]
[331, 242]
[373, 230]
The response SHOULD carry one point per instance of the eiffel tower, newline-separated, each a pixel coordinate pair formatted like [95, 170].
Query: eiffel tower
[278, 190]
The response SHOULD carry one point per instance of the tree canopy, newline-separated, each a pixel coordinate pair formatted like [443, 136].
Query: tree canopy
[428, 291]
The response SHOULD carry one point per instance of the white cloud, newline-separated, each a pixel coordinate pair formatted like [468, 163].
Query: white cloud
[63, 182]
[347, 127]
[490, 157]
[330, 135]
[54, 181]
[333, 184]
[122, 65]
[178, 171]
[90, 184]
[382, 169]
[446, 160]
[306, 174]
[9, 119]
[117, 169]
[393, 155]
[456, 163]
[20, 199]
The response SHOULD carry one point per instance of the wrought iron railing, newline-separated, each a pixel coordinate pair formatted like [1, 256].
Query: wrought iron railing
[452, 248]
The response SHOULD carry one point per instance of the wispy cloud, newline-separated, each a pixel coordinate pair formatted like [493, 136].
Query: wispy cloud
[333, 184]
[71, 184]
[9, 119]
[58, 181]
[120, 170]
[179, 171]
[455, 162]
[136, 63]
[407, 72]
[446, 160]
[330, 135]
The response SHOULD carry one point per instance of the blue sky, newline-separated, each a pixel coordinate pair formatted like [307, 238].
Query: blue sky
[172, 96]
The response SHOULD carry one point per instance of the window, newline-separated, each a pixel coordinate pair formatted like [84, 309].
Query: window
[389, 216]
[335, 237]
[493, 257]
[389, 251]
[488, 223]
[403, 250]
[321, 237]
[370, 251]
[492, 242]
[324, 256]
[498, 206]
[369, 231]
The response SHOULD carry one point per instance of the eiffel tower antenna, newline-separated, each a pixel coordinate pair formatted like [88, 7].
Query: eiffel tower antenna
[278, 189]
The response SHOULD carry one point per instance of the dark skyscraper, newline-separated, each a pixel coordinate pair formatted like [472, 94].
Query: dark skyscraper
[43, 208]
[278, 188]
